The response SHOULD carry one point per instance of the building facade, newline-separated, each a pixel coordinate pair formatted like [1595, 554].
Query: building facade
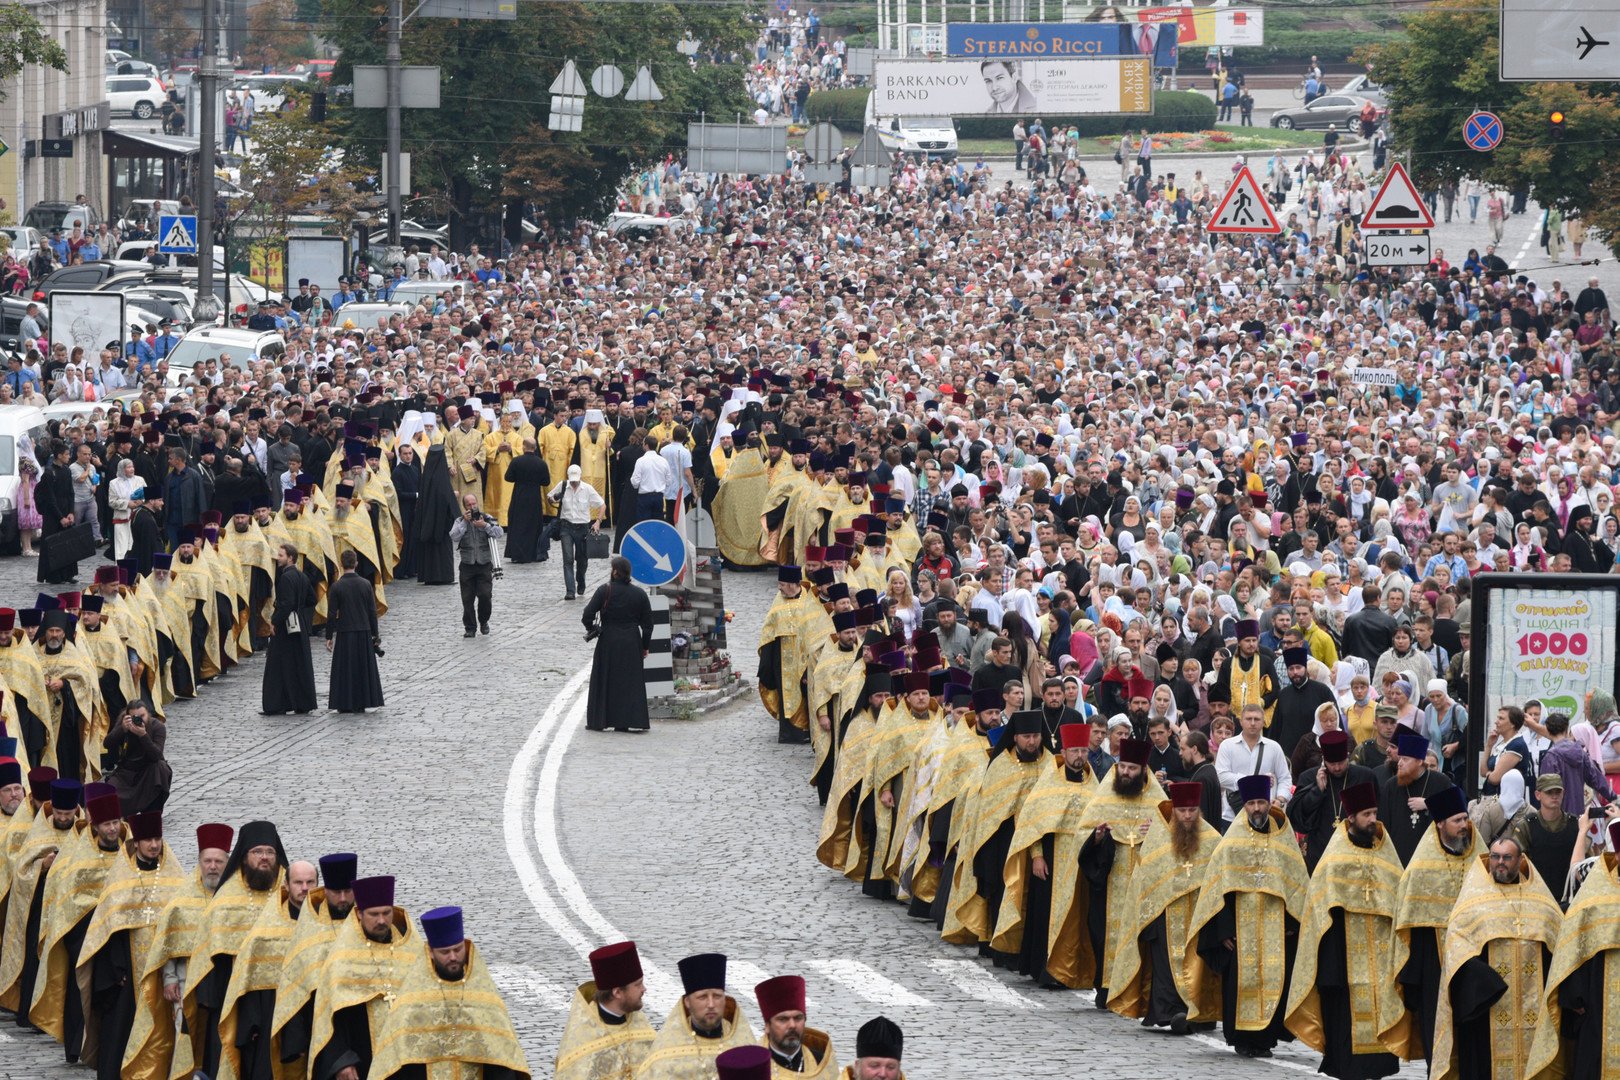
[52, 121]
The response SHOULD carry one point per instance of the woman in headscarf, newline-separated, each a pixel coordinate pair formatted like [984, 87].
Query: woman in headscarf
[1359, 501]
[436, 510]
[1527, 554]
[1604, 718]
[1307, 753]
[125, 487]
[1412, 520]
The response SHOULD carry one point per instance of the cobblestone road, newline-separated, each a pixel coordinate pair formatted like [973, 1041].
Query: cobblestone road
[476, 785]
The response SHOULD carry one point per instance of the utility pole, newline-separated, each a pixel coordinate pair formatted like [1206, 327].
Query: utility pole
[207, 149]
[393, 59]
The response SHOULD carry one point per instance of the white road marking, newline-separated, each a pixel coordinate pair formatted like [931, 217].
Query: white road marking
[969, 977]
[865, 982]
[552, 735]
[1533, 238]
[525, 986]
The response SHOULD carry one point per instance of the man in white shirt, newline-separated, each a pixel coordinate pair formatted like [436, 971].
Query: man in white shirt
[1250, 754]
[651, 478]
[679, 460]
[576, 501]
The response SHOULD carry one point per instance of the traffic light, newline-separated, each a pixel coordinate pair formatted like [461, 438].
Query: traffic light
[1555, 123]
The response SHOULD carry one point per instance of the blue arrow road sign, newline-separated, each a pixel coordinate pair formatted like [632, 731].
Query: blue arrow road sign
[177, 234]
[656, 550]
[1482, 131]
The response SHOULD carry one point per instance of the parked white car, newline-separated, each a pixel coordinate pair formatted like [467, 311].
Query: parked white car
[140, 96]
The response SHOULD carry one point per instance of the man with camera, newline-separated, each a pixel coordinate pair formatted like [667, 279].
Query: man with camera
[471, 534]
[353, 640]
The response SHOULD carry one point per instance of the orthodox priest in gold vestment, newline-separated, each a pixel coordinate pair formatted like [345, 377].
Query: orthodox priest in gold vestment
[794, 1049]
[1043, 863]
[153, 1052]
[738, 507]
[1145, 980]
[607, 1036]
[704, 1024]
[117, 941]
[991, 811]
[1423, 902]
[1502, 931]
[1343, 968]
[360, 980]
[325, 910]
[448, 1020]
[1113, 826]
[782, 656]
[1245, 924]
[1579, 1031]
[72, 891]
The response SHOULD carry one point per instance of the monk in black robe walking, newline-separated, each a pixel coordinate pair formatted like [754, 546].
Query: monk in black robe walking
[530, 478]
[289, 674]
[436, 510]
[352, 639]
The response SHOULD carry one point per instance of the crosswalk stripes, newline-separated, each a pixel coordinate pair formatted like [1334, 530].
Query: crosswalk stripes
[973, 980]
[519, 984]
[865, 982]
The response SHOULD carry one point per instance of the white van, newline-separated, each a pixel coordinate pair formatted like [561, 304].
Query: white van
[21, 426]
[926, 138]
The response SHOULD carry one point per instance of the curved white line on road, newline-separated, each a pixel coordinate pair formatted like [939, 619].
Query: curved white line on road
[552, 736]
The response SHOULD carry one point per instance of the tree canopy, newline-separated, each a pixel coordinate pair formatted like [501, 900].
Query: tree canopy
[1445, 68]
[488, 144]
[24, 42]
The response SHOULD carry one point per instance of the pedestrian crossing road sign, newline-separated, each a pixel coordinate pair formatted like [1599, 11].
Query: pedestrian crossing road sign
[177, 234]
[1244, 209]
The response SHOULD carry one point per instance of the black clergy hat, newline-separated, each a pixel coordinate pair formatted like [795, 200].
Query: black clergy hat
[338, 870]
[705, 971]
[879, 1037]
[1026, 722]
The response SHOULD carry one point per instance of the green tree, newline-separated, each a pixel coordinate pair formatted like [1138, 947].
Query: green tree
[294, 169]
[488, 148]
[24, 43]
[1445, 68]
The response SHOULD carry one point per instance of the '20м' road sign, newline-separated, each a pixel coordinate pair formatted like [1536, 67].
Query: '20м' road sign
[656, 550]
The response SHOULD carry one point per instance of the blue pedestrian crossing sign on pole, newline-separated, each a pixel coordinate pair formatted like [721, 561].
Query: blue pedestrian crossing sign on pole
[1482, 131]
[177, 234]
[656, 550]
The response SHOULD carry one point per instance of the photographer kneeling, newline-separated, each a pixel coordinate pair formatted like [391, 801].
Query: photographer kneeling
[471, 534]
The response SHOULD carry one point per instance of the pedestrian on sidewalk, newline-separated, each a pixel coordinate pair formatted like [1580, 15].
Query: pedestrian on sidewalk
[618, 694]
[470, 535]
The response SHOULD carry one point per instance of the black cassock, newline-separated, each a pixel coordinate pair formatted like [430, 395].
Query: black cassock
[1404, 825]
[1226, 963]
[618, 696]
[69, 735]
[289, 674]
[53, 496]
[1475, 987]
[144, 539]
[254, 1011]
[1419, 981]
[351, 626]
[1584, 1032]
[112, 995]
[530, 479]
[1333, 987]
[990, 881]
[210, 997]
[30, 968]
[407, 478]
[350, 1044]
[436, 510]
[72, 1004]
[33, 733]
[1096, 863]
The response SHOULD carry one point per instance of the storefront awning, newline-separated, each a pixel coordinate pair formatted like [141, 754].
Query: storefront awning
[115, 143]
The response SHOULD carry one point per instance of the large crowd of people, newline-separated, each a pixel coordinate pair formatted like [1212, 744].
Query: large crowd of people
[1046, 458]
